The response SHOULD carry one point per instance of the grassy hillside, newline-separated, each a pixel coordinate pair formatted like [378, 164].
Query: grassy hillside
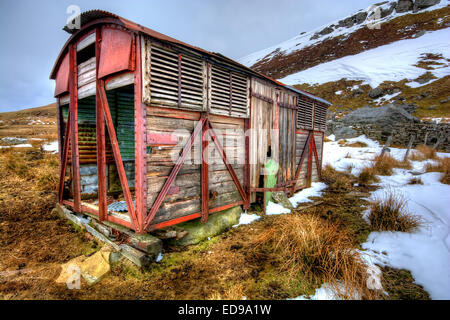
[37, 123]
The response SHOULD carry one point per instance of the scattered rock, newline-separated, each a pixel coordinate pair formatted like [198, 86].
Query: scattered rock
[325, 31]
[410, 108]
[281, 198]
[420, 33]
[386, 116]
[432, 108]
[360, 17]
[444, 101]
[388, 11]
[345, 133]
[91, 268]
[357, 92]
[404, 6]
[422, 4]
[376, 93]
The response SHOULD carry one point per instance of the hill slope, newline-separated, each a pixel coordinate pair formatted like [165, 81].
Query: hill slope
[407, 57]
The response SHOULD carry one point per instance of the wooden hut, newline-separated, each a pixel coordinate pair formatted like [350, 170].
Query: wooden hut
[174, 131]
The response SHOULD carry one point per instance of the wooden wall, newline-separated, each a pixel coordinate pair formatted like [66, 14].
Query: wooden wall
[301, 138]
[185, 196]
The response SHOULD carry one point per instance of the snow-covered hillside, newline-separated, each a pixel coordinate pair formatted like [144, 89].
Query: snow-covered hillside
[392, 62]
[366, 29]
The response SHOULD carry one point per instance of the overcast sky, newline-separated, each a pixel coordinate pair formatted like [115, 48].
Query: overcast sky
[31, 32]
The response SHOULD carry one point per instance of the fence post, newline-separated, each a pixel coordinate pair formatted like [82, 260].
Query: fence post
[410, 143]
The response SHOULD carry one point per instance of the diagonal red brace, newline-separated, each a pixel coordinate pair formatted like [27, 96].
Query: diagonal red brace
[227, 163]
[173, 174]
[117, 155]
[300, 164]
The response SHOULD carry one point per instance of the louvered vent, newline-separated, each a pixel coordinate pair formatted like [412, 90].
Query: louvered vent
[229, 93]
[320, 117]
[304, 114]
[176, 80]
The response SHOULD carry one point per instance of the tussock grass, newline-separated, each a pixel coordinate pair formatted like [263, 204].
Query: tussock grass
[423, 152]
[325, 139]
[389, 214]
[318, 250]
[384, 164]
[368, 176]
[357, 144]
[443, 165]
[337, 181]
[415, 180]
[235, 292]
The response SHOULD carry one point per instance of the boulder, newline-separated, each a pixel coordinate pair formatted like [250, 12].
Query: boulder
[388, 11]
[422, 4]
[385, 117]
[281, 198]
[344, 133]
[404, 6]
[360, 17]
[325, 31]
[376, 93]
[410, 108]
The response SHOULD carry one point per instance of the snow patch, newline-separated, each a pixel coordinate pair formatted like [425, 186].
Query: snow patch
[303, 196]
[247, 219]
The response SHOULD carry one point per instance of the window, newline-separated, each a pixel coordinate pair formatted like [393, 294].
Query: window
[229, 93]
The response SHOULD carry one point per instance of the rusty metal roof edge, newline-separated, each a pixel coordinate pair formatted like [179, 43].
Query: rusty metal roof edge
[92, 15]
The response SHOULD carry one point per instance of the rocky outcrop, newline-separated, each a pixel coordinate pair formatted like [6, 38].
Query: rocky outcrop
[404, 6]
[349, 36]
[423, 4]
[391, 120]
[386, 116]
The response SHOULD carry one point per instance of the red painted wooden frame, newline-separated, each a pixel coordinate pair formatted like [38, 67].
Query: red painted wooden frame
[205, 171]
[117, 155]
[140, 163]
[73, 85]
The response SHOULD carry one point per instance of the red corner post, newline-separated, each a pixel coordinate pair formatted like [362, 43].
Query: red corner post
[205, 170]
[141, 142]
[101, 144]
[73, 87]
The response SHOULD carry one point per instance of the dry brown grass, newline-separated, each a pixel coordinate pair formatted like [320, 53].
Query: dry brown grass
[235, 292]
[388, 214]
[423, 152]
[325, 139]
[368, 176]
[415, 180]
[356, 144]
[318, 250]
[384, 164]
[337, 181]
[443, 165]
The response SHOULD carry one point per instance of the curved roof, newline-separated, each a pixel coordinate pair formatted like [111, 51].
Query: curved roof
[92, 17]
